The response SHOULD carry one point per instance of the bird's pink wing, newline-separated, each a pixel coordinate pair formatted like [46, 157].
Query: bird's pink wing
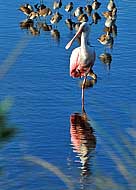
[74, 63]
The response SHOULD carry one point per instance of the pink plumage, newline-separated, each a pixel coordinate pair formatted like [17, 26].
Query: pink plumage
[83, 57]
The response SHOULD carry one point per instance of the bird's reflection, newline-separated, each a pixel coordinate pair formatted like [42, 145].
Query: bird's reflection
[106, 59]
[30, 27]
[83, 139]
[55, 34]
[44, 26]
[69, 23]
[35, 28]
[96, 17]
[34, 31]
[26, 24]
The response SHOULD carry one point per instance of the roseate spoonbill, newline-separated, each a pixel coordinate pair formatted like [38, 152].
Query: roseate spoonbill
[83, 57]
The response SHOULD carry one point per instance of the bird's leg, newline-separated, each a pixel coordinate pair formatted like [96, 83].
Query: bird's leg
[83, 87]
[84, 81]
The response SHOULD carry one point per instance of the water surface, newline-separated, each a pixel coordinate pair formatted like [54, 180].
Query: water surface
[45, 97]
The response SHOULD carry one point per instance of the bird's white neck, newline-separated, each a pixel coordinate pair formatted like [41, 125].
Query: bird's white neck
[84, 40]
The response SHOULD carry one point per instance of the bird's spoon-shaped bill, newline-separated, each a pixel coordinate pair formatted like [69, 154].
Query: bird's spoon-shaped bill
[69, 44]
[78, 32]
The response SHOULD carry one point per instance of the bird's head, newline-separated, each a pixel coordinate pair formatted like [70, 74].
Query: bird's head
[84, 27]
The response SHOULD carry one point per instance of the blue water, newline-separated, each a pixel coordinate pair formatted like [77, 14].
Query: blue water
[44, 97]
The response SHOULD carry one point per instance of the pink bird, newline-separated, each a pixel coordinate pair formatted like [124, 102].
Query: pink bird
[83, 57]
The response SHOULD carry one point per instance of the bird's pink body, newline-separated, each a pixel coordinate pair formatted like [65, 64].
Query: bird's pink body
[81, 61]
[83, 57]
